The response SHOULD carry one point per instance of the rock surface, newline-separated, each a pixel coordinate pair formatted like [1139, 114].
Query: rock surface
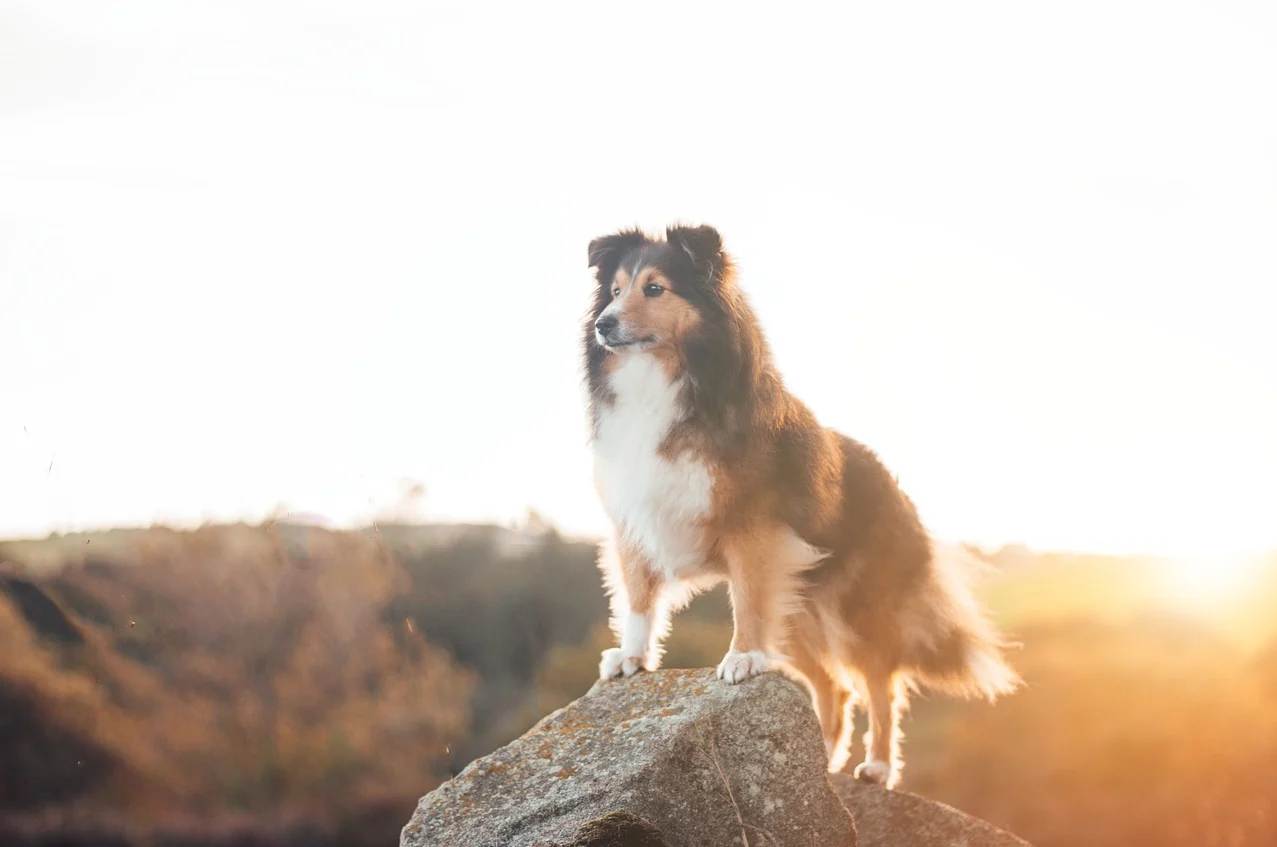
[701, 761]
[676, 758]
[897, 817]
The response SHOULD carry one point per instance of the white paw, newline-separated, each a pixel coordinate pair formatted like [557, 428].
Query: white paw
[738, 667]
[614, 664]
[838, 755]
[876, 771]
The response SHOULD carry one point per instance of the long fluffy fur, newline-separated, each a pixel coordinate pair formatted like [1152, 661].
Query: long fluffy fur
[831, 572]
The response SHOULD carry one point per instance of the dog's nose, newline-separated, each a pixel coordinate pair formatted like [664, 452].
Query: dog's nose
[605, 324]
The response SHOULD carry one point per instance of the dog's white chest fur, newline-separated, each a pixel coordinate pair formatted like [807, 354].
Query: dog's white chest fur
[655, 502]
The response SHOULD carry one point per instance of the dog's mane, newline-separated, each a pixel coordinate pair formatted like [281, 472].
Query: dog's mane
[733, 390]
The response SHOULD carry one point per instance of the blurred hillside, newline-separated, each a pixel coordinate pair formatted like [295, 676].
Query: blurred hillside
[310, 685]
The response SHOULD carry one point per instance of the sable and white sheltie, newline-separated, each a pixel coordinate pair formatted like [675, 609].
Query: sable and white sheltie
[711, 471]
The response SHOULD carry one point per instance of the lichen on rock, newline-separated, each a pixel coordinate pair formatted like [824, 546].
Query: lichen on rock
[677, 758]
[704, 762]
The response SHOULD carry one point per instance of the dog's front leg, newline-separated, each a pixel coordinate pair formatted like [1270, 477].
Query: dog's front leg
[752, 626]
[634, 591]
[747, 656]
[764, 571]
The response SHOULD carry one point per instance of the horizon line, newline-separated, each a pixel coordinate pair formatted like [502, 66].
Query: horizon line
[303, 519]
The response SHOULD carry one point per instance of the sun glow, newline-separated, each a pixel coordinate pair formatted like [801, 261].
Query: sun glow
[1209, 581]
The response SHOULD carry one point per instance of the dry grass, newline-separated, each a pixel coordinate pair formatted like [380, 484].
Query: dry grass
[222, 672]
[1138, 724]
[234, 678]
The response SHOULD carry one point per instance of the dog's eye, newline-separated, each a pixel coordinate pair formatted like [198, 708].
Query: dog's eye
[616, 292]
[653, 290]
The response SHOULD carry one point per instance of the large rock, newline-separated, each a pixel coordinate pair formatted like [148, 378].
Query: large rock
[702, 762]
[676, 758]
[897, 817]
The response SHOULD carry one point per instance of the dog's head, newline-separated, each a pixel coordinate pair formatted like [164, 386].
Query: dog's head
[654, 293]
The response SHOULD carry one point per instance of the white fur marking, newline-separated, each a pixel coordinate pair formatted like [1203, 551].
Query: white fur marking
[615, 663]
[608, 310]
[637, 635]
[838, 753]
[656, 503]
[610, 663]
[737, 666]
[876, 770]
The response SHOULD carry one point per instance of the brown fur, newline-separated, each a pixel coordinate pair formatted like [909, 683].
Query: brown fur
[830, 571]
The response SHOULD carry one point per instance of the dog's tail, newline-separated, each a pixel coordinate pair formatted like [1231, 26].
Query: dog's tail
[952, 645]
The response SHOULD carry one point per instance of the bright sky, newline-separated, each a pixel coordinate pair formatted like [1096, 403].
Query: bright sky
[268, 252]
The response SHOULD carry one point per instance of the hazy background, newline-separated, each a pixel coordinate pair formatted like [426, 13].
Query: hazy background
[264, 253]
[269, 265]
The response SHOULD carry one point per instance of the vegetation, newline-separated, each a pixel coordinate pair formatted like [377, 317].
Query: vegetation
[220, 673]
[275, 684]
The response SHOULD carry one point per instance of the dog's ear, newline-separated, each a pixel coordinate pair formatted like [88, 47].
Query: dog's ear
[607, 249]
[703, 247]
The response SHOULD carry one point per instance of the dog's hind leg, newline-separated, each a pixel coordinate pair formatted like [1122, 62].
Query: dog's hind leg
[833, 706]
[886, 700]
[843, 709]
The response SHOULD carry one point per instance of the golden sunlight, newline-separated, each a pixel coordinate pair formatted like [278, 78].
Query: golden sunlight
[1207, 581]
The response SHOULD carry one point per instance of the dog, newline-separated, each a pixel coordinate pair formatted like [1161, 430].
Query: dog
[711, 471]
